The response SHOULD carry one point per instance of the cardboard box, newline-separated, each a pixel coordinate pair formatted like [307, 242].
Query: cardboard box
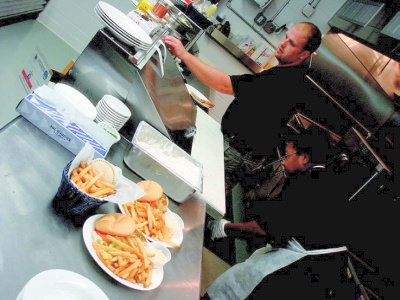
[247, 44]
[35, 73]
[57, 126]
[265, 57]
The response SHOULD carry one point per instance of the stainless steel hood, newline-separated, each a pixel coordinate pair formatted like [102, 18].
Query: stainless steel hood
[372, 23]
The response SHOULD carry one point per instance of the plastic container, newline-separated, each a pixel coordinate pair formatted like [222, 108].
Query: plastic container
[144, 6]
[210, 11]
[154, 157]
[160, 9]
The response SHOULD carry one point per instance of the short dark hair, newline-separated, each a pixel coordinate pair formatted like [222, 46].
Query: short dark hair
[314, 36]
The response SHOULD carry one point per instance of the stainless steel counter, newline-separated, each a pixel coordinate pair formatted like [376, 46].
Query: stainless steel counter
[36, 239]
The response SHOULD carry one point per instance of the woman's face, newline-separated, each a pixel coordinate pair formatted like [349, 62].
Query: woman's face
[293, 161]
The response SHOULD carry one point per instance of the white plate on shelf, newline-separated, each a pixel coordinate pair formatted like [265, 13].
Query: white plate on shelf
[118, 32]
[125, 23]
[176, 236]
[191, 90]
[61, 284]
[88, 227]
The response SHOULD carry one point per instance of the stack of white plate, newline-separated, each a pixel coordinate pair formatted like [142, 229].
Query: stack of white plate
[123, 27]
[112, 110]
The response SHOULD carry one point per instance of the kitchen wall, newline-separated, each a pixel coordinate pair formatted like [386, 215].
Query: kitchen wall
[248, 9]
[75, 21]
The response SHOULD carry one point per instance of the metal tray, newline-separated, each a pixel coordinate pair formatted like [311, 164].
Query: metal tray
[154, 157]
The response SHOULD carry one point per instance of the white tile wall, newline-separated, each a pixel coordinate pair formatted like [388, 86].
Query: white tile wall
[75, 21]
[291, 13]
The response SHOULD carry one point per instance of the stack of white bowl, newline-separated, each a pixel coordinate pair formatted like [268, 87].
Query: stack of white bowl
[112, 110]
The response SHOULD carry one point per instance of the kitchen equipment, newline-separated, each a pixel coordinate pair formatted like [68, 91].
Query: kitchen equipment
[270, 26]
[196, 16]
[179, 22]
[365, 21]
[260, 18]
[154, 157]
[309, 8]
[105, 67]
[220, 17]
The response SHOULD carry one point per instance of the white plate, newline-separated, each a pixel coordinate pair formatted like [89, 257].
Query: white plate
[117, 106]
[107, 112]
[192, 89]
[125, 23]
[63, 285]
[176, 236]
[88, 227]
[77, 99]
[119, 33]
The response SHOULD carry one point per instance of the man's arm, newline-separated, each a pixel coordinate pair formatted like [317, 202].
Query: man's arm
[210, 76]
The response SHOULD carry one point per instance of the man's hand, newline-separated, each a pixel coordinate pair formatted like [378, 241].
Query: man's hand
[175, 46]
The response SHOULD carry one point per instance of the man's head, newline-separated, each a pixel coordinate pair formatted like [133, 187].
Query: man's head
[299, 43]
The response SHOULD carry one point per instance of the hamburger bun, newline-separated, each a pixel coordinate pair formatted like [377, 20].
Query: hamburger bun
[154, 194]
[152, 189]
[116, 224]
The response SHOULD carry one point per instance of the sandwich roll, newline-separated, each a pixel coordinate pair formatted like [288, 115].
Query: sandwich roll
[116, 224]
[152, 189]
[154, 195]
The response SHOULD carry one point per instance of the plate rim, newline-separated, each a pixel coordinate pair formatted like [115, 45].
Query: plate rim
[61, 274]
[190, 87]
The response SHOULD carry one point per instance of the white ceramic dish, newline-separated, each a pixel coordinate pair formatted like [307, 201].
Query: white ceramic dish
[117, 106]
[77, 99]
[125, 23]
[158, 261]
[176, 235]
[61, 285]
[191, 90]
[88, 227]
[118, 32]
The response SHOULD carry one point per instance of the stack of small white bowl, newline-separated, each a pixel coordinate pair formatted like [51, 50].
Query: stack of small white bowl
[112, 110]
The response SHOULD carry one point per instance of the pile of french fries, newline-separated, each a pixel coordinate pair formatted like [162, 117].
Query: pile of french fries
[150, 221]
[90, 183]
[126, 258]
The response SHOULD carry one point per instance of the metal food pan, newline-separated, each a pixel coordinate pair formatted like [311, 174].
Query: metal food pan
[154, 157]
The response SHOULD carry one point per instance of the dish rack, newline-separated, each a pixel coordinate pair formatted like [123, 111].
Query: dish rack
[138, 57]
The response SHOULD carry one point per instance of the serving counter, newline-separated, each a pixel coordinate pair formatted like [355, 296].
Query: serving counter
[36, 239]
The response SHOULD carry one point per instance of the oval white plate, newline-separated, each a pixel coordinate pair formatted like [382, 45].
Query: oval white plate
[88, 227]
[63, 285]
[192, 89]
[176, 236]
[77, 99]
[125, 23]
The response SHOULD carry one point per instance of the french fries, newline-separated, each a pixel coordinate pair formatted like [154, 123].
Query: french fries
[90, 183]
[150, 221]
[126, 258]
